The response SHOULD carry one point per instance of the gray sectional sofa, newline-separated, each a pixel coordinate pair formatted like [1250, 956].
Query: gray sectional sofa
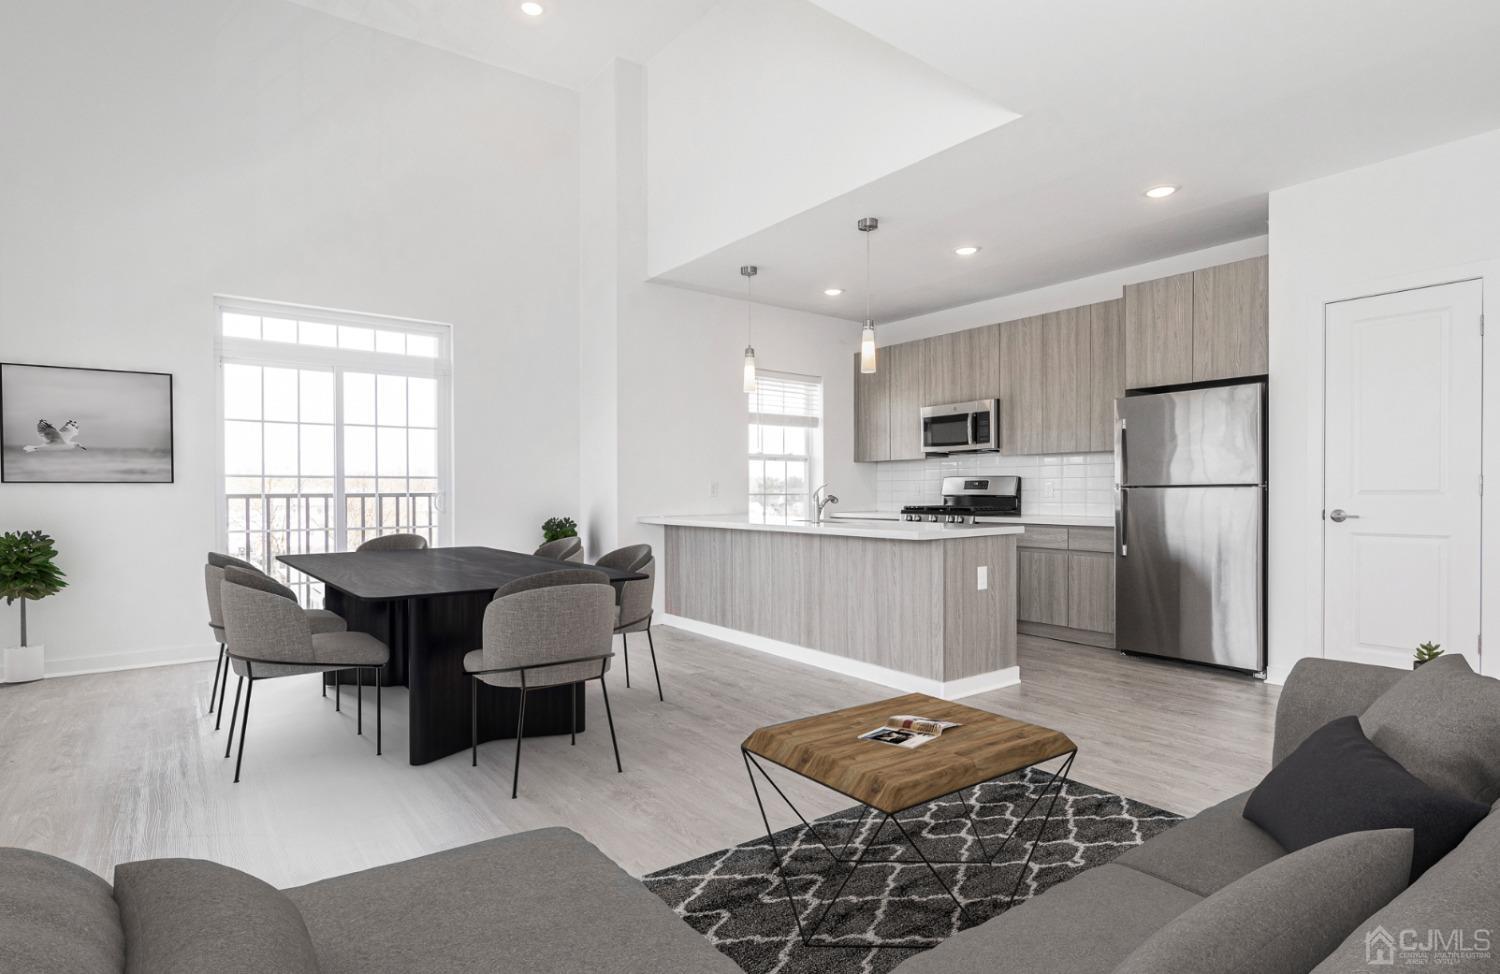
[549, 902]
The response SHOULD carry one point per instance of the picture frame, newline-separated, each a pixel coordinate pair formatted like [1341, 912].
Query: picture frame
[64, 424]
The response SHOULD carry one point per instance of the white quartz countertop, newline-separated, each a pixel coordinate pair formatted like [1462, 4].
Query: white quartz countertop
[1053, 520]
[889, 527]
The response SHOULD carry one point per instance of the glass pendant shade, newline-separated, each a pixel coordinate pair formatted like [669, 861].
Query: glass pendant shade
[867, 348]
[749, 369]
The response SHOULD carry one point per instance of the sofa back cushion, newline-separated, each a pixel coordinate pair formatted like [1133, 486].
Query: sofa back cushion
[1443, 724]
[1287, 915]
[56, 918]
[1454, 906]
[186, 916]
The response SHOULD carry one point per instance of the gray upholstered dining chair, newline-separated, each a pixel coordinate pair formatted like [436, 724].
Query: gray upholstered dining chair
[634, 612]
[270, 636]
[562, 549]
[541, 631]
[394, 542]
[319, 620]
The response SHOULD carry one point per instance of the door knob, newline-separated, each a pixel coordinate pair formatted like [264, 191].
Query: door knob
[1339, 516]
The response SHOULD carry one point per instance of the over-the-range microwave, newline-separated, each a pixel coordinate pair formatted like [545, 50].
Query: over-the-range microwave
[961, 427]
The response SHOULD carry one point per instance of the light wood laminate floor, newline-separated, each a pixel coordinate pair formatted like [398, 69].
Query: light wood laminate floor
[113, 767]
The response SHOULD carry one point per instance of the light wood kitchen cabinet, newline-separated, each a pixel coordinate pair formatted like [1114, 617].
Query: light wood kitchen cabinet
[1042, 585]
[1022, 400]
[1045, 363]
[872, 414]
[1159, 332]
[904, 365]
[961, 366]
[1230, 319]
[1091, 591]
[1106, 381]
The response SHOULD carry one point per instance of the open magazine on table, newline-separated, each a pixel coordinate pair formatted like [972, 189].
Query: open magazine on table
[907, 731]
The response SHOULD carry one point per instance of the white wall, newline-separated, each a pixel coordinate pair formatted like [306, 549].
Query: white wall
[162, 151]
[1419, 219]
[764, 108]
[681, 416]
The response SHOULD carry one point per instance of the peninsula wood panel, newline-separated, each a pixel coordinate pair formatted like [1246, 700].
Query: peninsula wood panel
[961, 366]
[872, 413]
[1106, 372]
[905, 398]
[1042, 586]
[1230, 319]
[979, 627]
[697, 575]
[1159, 332]
[881, 602]
[1091, 591]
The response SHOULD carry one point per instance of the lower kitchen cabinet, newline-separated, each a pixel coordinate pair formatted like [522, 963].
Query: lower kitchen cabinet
[1042, 586]
[1091, 591]
[1065, 584]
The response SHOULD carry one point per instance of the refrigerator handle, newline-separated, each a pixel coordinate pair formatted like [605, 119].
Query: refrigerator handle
[1121, 511]
[1119, 451]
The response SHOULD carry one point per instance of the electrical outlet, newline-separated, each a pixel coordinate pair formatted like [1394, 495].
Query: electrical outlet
[713, 488]
[984, 577]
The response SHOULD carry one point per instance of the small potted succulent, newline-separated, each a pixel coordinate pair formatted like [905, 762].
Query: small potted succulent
[559, 527]
[27, 572]
[1426, 653]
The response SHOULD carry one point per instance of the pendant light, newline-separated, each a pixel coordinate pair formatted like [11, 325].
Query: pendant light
[749, 271]
[867, 336]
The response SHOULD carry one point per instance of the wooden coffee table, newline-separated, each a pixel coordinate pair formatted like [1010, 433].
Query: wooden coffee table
[890, 780]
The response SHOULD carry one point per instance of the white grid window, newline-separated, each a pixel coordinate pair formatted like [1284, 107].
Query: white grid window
[333, 433]
[786, 444]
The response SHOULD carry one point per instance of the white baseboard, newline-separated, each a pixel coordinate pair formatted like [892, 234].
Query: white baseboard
[945, 690]
[137, 660]
[1276, 675]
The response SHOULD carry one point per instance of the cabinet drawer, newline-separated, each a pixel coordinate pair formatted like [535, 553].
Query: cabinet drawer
[1091, 539]
[1040, 536]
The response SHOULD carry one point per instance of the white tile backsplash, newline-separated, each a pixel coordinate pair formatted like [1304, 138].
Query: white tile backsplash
[1074, 484]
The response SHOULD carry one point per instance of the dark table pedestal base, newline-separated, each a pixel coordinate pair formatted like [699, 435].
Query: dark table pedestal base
[428, 637]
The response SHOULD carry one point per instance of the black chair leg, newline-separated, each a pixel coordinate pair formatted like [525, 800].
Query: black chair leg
[377, 713]
[229, 741]
[223, 687]
[214, 690]
[625, 646]
[611, 718]
[359, 701]
[515, 778]
[244, 728]
[323, 682]
[474, 720]
[652, 643]
[338, 691]
[573, 690]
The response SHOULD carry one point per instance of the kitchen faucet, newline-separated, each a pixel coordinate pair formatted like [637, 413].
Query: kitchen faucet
[820, 504]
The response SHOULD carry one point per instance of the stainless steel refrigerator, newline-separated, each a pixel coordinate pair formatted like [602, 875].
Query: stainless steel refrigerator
[1190, 517]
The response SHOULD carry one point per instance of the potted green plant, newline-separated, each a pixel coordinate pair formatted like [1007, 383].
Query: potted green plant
[559, 527]
[1426, 653]
[27, 572]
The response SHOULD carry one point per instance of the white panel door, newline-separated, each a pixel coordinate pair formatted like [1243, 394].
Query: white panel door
[1402, 489]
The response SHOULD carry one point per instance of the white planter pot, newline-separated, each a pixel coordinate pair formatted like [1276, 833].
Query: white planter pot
[23, 663]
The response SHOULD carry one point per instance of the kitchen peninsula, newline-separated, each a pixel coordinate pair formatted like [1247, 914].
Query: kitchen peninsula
[914, 606]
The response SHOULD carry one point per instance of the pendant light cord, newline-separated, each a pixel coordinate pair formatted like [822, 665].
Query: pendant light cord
[867, 275]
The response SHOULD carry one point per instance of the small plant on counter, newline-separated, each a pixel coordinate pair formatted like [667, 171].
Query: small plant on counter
[27, 570]
[559, 527]
[1426, 653]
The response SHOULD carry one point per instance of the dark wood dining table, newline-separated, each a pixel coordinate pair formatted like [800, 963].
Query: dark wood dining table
[428, 606]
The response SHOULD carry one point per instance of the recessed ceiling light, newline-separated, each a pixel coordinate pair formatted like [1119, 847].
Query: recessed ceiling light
[1160, 192]
[532, 9]
[833, 292]
[966, 251]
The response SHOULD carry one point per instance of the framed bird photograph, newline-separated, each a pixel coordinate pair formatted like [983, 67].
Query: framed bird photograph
[60, 424]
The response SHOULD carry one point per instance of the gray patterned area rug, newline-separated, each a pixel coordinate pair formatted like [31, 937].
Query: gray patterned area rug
[735, 898]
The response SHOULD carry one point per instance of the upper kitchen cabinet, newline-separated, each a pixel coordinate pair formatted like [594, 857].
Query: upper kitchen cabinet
[872, 418]
[961, 367]
[1230, 320]
[904, 366]
[1159, 332]
[1106, 371]
[1210, 324]
[1044, 374]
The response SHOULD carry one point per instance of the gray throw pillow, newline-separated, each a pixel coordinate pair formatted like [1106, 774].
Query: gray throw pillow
[56, 918]
[1287, 915]
[1443, 724]
[187, 916]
